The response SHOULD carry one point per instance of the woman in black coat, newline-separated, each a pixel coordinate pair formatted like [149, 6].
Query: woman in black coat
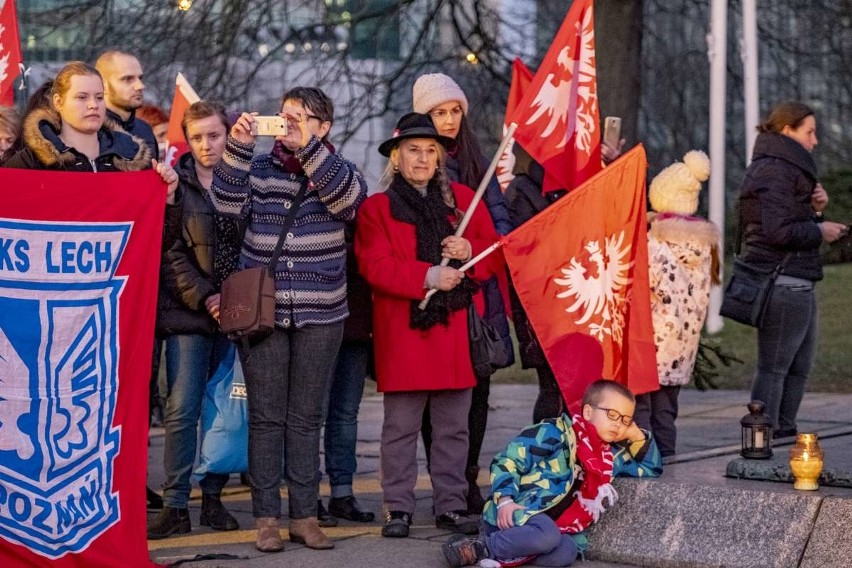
[781, 215]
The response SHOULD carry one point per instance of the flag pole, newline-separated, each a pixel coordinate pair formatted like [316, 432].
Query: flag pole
[480, 191]
[466, 266]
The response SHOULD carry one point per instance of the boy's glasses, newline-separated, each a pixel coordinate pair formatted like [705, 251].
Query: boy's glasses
[616, 416]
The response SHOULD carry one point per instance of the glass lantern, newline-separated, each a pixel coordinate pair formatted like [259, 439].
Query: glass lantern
[806, 462]
[757, 432]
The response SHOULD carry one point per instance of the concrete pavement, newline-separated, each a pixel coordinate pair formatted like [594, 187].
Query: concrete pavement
[709, 434]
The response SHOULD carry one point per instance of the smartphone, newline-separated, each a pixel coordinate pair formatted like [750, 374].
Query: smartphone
[612, 131]
[269, 126]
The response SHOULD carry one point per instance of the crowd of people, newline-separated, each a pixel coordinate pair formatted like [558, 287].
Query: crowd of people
[348, 290]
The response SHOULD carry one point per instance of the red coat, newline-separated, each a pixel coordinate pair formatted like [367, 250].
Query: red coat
[409, 359]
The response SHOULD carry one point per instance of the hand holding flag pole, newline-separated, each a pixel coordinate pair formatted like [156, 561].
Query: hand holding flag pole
[480, 191]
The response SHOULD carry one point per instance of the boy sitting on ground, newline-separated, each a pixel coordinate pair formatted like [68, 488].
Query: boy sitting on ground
[551, 482]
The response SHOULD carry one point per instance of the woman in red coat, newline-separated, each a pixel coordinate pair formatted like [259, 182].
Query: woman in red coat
[422, 356]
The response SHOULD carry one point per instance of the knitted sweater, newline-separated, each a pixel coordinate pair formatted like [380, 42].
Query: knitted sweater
[310, 279]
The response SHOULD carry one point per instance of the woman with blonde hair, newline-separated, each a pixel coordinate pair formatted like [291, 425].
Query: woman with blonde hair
[423, 355]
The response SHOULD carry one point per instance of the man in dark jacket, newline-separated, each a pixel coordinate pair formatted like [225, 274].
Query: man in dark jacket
[124, 92]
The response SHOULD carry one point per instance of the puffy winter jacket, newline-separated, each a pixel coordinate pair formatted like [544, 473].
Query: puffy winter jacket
[775, 208]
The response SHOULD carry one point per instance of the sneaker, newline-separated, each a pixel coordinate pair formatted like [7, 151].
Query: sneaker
[458, 521]
[397, 524]
[464, 552]
[324, 518]
[170, 521]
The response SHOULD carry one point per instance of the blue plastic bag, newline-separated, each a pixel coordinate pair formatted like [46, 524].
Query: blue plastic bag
[224, 421]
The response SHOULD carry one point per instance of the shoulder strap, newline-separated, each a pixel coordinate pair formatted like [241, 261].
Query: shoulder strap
[288, 222]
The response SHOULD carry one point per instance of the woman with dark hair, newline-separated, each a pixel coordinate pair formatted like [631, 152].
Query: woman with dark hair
[422, 356]
[443, 100]
[287, 374]
[781, 219]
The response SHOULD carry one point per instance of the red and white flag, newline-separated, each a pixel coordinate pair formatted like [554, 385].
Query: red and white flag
[10, 51]
[558, 118]
[185, 96]
[580, 268]
[521, 79]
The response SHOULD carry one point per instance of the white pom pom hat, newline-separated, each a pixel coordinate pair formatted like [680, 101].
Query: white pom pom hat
[676, 188]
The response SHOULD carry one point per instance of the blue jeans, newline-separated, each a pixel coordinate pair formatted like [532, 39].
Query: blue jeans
[786, 346]
[341, 423]
[190, 361]
[287, 375]
[539, 537]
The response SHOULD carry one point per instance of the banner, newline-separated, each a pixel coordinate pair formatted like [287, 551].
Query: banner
[580, 268]
[184, 97]
[558, 117]
[79, 264]
[10, 51]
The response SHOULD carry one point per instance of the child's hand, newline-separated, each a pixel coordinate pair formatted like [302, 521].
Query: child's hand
[633, 434]
[505, 515]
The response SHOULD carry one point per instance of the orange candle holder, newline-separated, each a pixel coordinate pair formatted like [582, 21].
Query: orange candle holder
[806, 461]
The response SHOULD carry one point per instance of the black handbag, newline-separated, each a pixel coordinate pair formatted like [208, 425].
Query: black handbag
[247, 305]
[749, 289]
[487, 349]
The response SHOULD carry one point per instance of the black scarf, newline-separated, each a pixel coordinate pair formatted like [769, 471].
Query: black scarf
[429, 215]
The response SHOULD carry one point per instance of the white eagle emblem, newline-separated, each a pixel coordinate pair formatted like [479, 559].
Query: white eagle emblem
[4, 59]
[600, 298]
[569, 98]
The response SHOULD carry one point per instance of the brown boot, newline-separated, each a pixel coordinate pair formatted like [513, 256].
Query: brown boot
[268, 537]
[307, 532]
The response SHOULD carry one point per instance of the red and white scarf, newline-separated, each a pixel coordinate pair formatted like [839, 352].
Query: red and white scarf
[593, 486]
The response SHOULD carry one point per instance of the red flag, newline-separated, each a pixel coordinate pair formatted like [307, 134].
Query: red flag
[521, 79]
[10, 51]
[78, 295]
[580, 268]
[185, 95]
[558, 117]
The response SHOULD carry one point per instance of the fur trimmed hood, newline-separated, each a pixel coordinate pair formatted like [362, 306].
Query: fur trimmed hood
[41, 136]
[685, 232]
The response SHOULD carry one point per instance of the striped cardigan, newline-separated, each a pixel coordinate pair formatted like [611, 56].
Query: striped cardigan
[310, 279]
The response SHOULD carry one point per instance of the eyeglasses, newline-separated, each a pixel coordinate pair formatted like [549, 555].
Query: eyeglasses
[306, 115]
[443, 114]
[616, 416]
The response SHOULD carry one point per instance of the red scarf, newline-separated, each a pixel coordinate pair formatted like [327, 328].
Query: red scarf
[594, 479]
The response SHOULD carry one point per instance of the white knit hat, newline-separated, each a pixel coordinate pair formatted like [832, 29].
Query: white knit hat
[436, 89]
[676, 188]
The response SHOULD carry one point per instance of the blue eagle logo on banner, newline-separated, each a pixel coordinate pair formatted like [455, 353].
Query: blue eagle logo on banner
[58, 382]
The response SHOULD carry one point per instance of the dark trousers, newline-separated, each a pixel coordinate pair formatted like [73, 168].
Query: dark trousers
[786, 346]
[287, 375]
[549, 401]
[657, 411]
[341, 423]
[539, 537]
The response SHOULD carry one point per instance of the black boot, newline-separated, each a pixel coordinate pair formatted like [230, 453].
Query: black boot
[155, 502]
[170, 521]
[475, 502]
[214, 514]
[324, 518]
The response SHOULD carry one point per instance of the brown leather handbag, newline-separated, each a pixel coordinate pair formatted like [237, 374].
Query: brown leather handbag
[247, 306]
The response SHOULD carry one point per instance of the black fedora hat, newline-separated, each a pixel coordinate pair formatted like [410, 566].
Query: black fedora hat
[414, 125]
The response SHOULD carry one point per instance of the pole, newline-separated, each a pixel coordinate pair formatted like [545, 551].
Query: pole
[751, 92]
[717, 53]
[466, 266]
[480, 191]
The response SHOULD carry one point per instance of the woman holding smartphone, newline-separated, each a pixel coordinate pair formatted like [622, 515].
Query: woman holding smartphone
[781, 215]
